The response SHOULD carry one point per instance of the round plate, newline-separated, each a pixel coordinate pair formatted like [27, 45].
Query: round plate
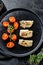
[22, 14]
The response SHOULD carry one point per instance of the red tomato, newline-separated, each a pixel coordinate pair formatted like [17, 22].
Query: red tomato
[9, 31]
[12, 19]
[5, 23]
[14, 37]
[5, 36]
[16, 25]
[10, 45]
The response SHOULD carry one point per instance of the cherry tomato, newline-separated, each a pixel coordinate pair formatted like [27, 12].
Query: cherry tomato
[12, 19]
[10, 45]
[5, 36]
[14, 37]
[16, 25]
[8, 30]
[5, 23]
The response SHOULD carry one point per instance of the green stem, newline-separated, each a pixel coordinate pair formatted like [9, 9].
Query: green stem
[10, 36]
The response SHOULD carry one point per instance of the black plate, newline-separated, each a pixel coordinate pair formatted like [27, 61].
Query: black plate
[22, 14]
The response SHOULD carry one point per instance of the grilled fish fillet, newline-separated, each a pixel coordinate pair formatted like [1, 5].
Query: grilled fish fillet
[25, 43]
[26, 23]
[26, 33]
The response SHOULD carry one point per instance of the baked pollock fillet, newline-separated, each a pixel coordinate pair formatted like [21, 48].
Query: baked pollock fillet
[25, 43]
[26, 33]
[26, 23]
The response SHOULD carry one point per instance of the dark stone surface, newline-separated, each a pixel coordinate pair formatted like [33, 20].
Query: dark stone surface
[34, 5]
[2, 8]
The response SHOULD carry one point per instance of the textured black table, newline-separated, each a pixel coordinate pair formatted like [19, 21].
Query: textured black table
[34, 5]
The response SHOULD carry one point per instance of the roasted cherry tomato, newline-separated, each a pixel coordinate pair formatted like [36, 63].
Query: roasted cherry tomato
[16, 25]
[5, 23]
[12, 19]
[8, 30]
[10, 45]
[14, 37]
[5, 36]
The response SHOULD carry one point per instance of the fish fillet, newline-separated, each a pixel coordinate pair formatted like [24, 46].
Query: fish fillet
[25, 43]
[26, 33]
[26, 23]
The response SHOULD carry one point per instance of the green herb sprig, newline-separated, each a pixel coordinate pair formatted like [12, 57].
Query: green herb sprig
[10, 27]
[35, 59]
